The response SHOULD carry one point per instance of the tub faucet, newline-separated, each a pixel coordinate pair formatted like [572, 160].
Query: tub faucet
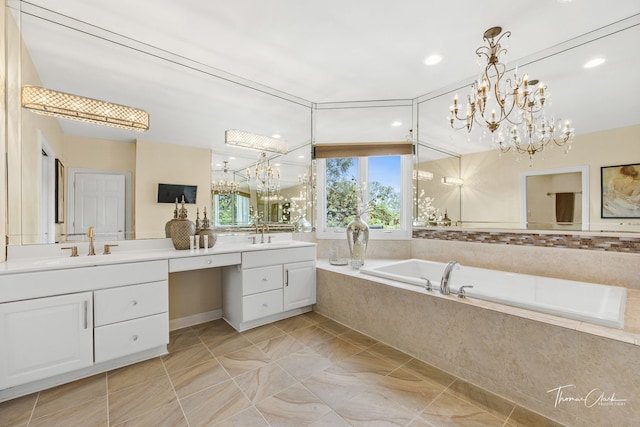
[446, 276]
[427, 286]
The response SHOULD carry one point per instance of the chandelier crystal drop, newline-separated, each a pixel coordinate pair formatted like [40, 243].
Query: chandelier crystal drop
[226, 185]
[266, 178]
[511, 108]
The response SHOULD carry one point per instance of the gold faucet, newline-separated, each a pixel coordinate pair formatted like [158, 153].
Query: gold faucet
[92, 250]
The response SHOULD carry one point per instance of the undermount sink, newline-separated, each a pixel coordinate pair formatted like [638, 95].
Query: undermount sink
[275, 244]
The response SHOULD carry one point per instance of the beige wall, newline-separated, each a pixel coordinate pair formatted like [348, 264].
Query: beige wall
[493, 180]
[168, 164]
[194, 292]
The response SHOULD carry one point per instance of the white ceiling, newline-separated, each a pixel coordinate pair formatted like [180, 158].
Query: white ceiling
[201, 66]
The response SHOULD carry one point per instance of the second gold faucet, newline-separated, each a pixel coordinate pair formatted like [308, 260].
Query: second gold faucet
[92, 250]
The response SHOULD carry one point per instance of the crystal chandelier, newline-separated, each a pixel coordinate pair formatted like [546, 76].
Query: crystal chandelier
[225, 185]
[513, 109]
[267, 178]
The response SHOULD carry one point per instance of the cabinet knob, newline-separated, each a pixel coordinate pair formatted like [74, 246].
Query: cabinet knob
[134, 302]
[135, 338]
[209, 261]
[265, 279]
[265, 305]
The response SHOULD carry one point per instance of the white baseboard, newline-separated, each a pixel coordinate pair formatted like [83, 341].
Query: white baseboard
[196, 319]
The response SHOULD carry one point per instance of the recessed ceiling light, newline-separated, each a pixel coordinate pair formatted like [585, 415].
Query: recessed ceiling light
[433, 59]
[301, 156]
[276, 135]
[594, 62]
[232, 158]
[219, 165]
[396, 123]
[565, 1]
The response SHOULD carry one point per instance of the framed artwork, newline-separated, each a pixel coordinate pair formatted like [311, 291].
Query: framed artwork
[59, 192]
[620, 195]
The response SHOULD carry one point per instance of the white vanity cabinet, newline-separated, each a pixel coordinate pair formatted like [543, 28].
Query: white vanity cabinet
[43, 337]
[269, 285]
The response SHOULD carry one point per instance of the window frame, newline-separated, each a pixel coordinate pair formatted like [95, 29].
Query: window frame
[406, 202]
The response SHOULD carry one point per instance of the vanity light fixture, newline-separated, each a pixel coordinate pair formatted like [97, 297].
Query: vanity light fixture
[60, 104]
[226, 185]
[422, 175]
[433, 59]
[262, 143]
[450, 180]
[511, 108]
[594, 62]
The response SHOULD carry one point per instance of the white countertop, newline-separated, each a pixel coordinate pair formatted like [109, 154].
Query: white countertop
[32, 258]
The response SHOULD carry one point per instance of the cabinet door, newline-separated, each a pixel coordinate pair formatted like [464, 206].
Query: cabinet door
[45, 337]
[299, 284]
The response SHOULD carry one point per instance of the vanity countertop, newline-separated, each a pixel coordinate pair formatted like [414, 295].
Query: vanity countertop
[34, 258]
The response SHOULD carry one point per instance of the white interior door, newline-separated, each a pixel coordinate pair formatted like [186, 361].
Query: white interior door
[99, 201]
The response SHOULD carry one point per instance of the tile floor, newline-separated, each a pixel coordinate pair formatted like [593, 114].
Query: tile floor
[306, 370]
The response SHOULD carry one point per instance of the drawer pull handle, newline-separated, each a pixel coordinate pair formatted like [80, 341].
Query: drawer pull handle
[209, 261]
[265, 305]
[265, 279]
[135, 338]
[86, 314]
[134, 302]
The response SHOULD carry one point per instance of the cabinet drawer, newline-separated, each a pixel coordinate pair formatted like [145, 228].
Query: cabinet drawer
[130, 302]
[262, 279]
[277, 256]
[132, 336]
[261, 305]
[203, 261]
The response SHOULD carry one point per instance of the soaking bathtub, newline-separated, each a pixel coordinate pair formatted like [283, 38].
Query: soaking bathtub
[588, 302]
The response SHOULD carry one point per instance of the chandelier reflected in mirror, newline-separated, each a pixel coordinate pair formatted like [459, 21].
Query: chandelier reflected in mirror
[511, 108]
[265, 177]
[226, 185]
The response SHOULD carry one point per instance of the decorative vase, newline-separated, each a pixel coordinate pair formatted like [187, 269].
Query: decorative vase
[303, 226]
[205, 230]
[182, 229]
[167, 226]
[357, 238]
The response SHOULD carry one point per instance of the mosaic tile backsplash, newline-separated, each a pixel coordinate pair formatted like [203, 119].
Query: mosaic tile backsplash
[571, 241]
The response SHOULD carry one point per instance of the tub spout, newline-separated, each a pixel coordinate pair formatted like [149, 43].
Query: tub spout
[427, 286]
[446, 276]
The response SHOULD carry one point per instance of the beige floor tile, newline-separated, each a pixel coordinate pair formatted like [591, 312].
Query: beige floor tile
[70, 395]
[214, 404]
[331, 420]
[140, 399]
[424, 370]
[388, 352]
[314, 317]
[333, 327]
[490, 402]
[357, 338]
[247, 418]
[244, 360]
[294, 406]
[365, 363]
[183, 340]
[165, 416]
[448, 410]
[230, 344]
[521, 417]
[92, 413]
[134, 374]
[304, 363]
[293, 323]
[17, 411]
[264, 382]
[312, 335]
[214, 330]
[281, 346]
[335, 388]
[409, 391]
[336, 349]
[198, 377]
[262, 333]
[183, 359]
[372, 408]
[182, 330]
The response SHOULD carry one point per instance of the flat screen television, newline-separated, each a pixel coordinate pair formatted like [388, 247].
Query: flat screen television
[168, 193]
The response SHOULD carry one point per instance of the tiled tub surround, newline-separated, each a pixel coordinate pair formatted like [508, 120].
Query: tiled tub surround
[514, 353]
[306, 370]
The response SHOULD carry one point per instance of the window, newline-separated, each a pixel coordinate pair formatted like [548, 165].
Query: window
[377, 187]
[231, 209]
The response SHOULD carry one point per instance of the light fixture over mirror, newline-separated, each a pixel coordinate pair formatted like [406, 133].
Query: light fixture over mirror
[244, 139]
[75, 107]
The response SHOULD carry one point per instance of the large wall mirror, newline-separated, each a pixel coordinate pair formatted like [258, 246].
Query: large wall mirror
[190, 107]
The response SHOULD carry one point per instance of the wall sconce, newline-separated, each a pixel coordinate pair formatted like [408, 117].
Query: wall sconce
[450, 180]
[422, 175]
[256, 142]
[60, 104]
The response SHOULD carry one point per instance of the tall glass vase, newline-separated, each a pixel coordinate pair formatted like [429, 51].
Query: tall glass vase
[357, 238]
